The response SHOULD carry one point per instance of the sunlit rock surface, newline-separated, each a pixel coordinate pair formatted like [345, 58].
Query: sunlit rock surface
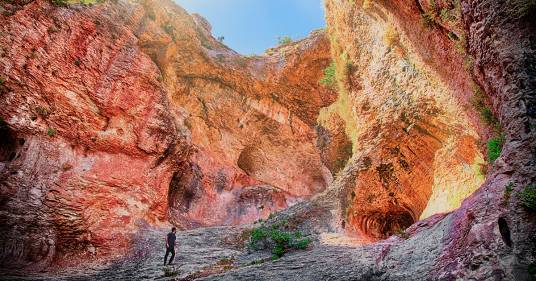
[120, 118]
[122, 114]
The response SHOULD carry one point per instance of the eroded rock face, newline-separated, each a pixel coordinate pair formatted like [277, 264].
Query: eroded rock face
[415, 135]
[124, 114]
[251, 118]
[408, 109]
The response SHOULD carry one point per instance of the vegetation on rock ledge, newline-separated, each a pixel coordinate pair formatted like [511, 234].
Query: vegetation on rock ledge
[494, 148]
[276, 239]
[528, 197]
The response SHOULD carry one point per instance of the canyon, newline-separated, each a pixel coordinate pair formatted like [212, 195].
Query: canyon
[373, 138]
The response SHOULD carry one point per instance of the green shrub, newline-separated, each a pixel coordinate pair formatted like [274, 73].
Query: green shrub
[329, 79]
[77, 62]
[494, 148]
[284, 40]
[528, 197]
[51, 132]
[277, 240]
[302, 244]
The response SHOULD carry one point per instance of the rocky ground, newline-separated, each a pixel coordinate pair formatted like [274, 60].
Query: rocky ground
[214, 254]
[218, 254]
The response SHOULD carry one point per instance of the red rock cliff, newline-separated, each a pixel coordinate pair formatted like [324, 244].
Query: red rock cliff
[124, 114]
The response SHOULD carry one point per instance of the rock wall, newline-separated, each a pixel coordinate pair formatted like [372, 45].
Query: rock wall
[119, 115]
[407, 111]
[424, 85]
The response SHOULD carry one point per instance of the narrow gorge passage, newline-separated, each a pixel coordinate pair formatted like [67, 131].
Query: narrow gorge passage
[395, 143]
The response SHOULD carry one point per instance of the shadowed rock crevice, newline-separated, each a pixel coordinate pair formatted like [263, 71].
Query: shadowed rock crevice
[8, 143]
[184, 189]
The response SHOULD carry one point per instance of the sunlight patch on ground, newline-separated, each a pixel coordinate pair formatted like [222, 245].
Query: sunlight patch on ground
[339, 239]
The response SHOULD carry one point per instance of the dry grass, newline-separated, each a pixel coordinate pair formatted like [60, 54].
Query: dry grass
[391, 36]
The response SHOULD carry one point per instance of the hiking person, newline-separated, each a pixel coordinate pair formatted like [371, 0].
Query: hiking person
[170, 245]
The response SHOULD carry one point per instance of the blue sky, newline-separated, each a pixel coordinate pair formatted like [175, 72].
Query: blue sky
[252, 26]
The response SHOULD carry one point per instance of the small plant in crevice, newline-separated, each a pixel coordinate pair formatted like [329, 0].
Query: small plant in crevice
[284, 40]
[77, 62]
[481, 105]
[169, 29]
[329, 79]
[278, 239]
[402, 234]
[507, 193]
[528, 197]
[51, 132]
[494, 147]
[42, 111]
[170, 271]
[428, 19]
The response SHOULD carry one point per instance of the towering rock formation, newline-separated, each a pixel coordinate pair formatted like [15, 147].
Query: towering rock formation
[121, 115]
[118, 115]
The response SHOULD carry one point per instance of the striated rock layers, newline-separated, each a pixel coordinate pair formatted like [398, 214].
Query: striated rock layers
[118, 115]
[124, 114]
[423, 86]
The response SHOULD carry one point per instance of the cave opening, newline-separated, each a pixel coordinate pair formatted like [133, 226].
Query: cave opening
[8, 143]
[505, 232]
[184, 189]
[382, 224]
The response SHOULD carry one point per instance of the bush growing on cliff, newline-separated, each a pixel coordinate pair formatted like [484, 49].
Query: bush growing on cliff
[42, 111]
[481, 105]
[329, 79]
[277, 239]
[428, 20]
[51, 132]
[284, 40]
[528, 197]
[494, 148]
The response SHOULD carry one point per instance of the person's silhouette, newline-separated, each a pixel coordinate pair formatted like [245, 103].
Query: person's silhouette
[170, 246]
